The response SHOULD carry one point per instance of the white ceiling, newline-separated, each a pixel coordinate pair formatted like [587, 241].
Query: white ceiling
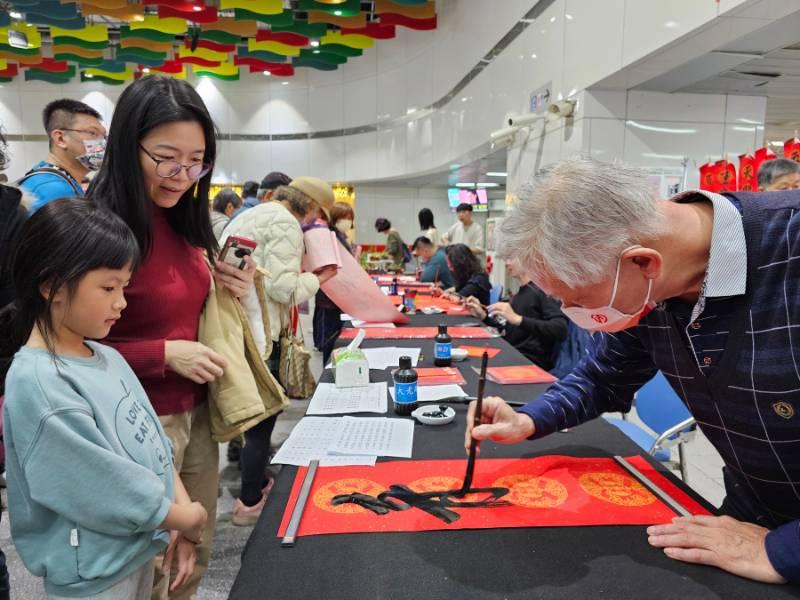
[467, 170]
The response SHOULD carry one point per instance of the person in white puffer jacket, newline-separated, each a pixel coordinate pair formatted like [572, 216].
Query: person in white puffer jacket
[276, 227]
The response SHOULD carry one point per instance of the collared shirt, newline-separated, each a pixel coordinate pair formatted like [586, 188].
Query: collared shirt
[706, 323]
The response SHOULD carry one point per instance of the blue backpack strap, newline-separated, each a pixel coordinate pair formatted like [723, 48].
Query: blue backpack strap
[53, 171]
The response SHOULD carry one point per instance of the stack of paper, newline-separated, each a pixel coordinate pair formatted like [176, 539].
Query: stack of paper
[338, 441]
[311, 439]
[330, 400]
[518, 375]
[439, 376]
[383, 358]
[384, 437]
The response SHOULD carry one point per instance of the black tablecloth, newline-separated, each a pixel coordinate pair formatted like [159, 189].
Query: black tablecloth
[541, 562]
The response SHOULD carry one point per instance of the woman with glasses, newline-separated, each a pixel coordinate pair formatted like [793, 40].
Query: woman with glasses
[156, 176]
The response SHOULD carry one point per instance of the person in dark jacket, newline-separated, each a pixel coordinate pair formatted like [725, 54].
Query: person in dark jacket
[532, 322]
[470, 277]
[12, 216]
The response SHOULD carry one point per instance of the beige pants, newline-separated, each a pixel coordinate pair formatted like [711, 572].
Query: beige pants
[197, 461]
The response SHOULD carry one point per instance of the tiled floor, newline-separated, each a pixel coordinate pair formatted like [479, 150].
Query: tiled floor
[705, 476]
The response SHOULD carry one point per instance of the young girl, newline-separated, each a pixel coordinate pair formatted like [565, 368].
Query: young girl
[91, 485]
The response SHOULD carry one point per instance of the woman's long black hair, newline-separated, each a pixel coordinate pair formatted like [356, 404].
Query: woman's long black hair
[425, 217]
[56, 247]
[147, 103]
[465, 263]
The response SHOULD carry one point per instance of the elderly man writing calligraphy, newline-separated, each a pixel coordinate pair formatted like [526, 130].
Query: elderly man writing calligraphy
[705, 288]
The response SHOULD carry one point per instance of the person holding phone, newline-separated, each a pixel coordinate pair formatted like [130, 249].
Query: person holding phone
[276, 227]
[156, 176]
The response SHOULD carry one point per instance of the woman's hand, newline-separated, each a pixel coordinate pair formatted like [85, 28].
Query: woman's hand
[475, 308]
[238, 281]
[193, 360]
[452, 297]
[504, 310]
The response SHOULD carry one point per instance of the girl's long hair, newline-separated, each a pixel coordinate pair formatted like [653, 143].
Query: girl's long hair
[56, 247]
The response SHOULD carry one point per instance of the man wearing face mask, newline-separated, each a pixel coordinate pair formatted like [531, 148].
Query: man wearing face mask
[77, 141]
[703, 287]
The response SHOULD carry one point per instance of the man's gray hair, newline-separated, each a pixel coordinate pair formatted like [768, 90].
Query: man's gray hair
[575, 217]
[771, 170]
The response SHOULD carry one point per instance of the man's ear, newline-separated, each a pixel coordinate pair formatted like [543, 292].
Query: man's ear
[649, 261]
[57, 138]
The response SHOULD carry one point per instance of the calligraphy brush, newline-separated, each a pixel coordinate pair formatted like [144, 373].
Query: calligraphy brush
[473, 445]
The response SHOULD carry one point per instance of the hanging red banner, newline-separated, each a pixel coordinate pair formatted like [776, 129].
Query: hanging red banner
[747, 173]
[760, 156]
[548, 491]
[791, 149]
[708, 177]
[726, 176]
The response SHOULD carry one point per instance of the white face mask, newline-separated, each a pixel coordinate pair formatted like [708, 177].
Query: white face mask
[344, 225]
[607, 318]
[95, 152]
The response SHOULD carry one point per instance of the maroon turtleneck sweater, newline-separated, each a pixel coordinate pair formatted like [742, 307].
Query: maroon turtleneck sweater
[165, 298]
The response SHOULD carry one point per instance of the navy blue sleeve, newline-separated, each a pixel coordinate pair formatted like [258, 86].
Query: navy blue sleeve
[616, 365]
[783, 550]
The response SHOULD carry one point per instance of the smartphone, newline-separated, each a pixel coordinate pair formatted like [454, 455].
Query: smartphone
[235, 250]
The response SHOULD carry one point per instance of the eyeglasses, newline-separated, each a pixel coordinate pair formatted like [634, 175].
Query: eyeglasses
[170, 168]
[92, 132]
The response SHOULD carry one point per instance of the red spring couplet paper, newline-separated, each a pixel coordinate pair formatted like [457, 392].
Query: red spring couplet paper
[477, 351]
[519, 375]
[449, 307]
[439, 376]
[417, 333]
[420, 302]
[548, 491]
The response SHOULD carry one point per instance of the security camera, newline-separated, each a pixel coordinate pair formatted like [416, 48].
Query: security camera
[503, 141]
[524, 120]
[500, 134]
[560, 110]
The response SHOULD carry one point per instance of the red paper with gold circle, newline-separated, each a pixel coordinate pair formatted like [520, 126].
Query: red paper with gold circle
[548, 491]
